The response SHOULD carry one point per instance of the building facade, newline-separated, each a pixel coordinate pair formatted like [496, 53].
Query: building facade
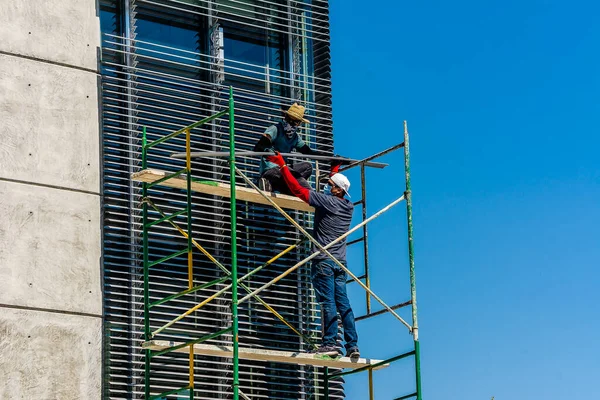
[80, 81]
[50, 198]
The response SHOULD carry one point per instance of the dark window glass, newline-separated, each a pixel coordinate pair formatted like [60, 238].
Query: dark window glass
[255, 60]
[168, 35]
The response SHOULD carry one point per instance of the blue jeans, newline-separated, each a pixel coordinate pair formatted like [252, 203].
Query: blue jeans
[329, 282]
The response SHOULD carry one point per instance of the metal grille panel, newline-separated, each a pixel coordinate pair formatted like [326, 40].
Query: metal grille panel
[166, 64]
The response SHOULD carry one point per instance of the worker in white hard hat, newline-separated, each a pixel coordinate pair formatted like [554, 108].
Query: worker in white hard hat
[333, 215]
[283, 137]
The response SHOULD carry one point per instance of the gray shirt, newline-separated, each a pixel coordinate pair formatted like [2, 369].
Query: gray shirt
[333, 216]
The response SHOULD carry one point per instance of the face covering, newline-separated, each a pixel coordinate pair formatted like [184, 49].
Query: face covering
[289, 129]
[327, 190]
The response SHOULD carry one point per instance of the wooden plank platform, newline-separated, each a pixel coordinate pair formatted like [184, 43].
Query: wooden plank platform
[287, 357]
[222, 189]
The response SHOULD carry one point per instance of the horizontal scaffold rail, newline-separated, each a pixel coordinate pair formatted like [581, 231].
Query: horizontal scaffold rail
[287, 357]
[203, 154]
[220, 189]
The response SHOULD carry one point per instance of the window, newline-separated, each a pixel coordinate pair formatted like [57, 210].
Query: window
[255, 59]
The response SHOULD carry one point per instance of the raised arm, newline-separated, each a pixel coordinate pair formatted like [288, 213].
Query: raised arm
[301, 192]
[263, 143]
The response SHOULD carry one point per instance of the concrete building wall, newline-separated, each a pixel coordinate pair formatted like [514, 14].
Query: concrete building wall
[50, 224]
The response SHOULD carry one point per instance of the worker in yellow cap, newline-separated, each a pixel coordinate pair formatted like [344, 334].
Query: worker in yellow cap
[283, 138]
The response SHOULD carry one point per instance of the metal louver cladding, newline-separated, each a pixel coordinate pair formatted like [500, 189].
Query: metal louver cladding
[166, 64]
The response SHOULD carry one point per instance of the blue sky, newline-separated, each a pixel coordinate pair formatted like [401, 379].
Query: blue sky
[502, 101]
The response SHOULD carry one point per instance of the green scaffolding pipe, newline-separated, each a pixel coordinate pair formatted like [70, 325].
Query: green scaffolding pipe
[152, 264]
[234, 271]
[188, 291]
[188, 167]
[191, 342]
[209, 183]
[170, 392]
[408, 396]
[411, 259]
[166, 218]
[418, 368]
[326, 383]
[179, 132]
[166, 177]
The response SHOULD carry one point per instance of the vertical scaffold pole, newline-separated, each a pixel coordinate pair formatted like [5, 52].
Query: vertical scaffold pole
[363, 182]
[326, 383]
[413, 286]
[371, 391]
[146, 272]
[234, 272]
[188, 165]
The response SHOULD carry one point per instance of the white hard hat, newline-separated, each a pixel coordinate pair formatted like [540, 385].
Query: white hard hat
[342, 182]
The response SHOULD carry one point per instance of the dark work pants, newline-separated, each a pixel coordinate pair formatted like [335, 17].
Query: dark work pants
[301, 171]
[329, 282]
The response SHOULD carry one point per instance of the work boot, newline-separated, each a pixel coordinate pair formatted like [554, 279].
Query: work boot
[264, 185]
[323, 350]
[353, 353]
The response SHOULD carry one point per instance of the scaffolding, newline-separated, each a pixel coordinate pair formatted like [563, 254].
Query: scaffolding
[183, 179]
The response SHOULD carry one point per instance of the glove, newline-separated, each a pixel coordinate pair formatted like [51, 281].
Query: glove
[276, 159]
[335, 166]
